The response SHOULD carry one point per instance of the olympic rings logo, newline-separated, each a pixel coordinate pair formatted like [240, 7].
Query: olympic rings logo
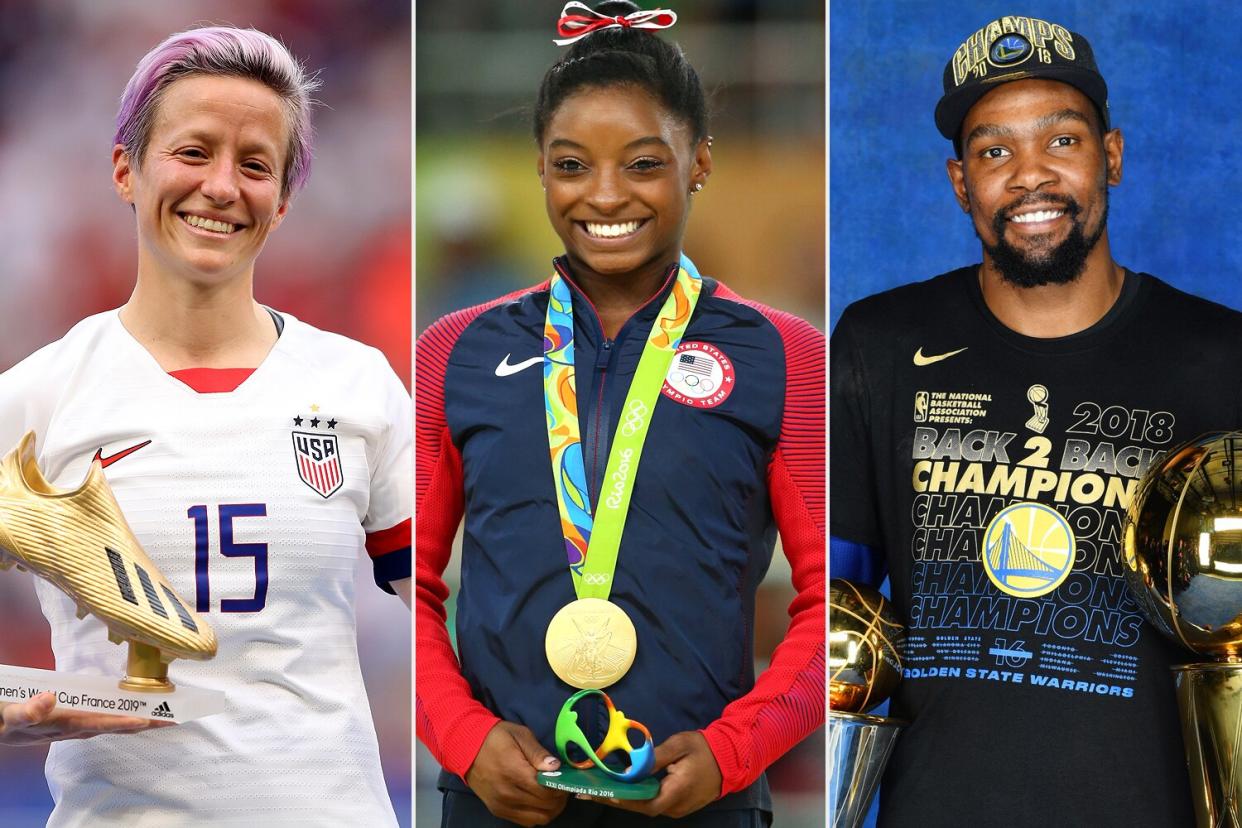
[596, 578]
[635, 418]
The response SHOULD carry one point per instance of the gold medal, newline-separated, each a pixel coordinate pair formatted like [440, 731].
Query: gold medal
[590, 643]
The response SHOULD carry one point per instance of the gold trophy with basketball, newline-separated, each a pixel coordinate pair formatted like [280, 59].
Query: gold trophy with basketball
[865, 643]
[1183, 563]
[79, 541]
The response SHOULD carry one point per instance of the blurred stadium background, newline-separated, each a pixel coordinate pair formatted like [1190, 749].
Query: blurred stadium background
[481, 229]
[341, 260]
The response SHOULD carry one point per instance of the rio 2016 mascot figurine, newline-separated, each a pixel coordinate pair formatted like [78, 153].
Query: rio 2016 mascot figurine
[592, 775]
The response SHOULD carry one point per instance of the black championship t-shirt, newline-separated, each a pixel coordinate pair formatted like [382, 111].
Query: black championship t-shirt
[994, 470]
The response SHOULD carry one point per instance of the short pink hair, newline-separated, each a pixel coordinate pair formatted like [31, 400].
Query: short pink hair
[230, 52]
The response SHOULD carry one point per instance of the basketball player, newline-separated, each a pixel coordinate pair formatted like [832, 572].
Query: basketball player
[254, 456]
[989, 428]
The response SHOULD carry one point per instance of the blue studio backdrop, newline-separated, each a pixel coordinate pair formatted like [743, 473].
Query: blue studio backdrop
[1174, 82]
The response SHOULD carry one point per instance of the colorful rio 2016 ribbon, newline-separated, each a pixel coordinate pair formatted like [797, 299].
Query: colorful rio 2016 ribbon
[642, 758]
[601, 532]
[572, 27]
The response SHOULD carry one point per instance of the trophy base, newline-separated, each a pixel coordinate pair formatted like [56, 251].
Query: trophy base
[593, 782]
[858, 749]
[1209, 697]
[98, 694]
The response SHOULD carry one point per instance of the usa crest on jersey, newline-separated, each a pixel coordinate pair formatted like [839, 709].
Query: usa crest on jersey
[318, 461]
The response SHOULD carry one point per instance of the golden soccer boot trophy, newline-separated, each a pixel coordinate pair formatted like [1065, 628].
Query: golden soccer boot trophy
[80, 542]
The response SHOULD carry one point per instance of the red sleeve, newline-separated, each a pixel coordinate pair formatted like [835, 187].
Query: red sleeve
[450, 722]
[787, 702]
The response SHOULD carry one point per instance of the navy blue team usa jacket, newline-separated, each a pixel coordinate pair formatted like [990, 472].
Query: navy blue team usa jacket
[735, 452]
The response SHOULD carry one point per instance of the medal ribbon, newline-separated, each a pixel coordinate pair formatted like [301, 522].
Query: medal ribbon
[601, 532]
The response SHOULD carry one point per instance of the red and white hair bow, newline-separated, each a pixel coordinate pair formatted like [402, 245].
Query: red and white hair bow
[572, 27]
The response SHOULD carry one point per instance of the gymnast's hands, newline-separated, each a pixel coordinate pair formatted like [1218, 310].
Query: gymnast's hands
[503, 776]
[692, 781]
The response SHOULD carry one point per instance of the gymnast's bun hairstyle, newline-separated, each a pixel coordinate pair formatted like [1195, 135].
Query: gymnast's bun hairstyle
[621, 56]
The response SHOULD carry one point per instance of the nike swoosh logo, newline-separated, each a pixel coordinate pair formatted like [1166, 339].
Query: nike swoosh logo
[120, 455]
[504, 369]
[919, 359]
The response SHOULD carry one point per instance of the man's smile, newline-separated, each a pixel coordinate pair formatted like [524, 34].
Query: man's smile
[1036, 216]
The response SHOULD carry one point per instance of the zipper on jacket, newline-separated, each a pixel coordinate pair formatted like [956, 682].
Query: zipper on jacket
[599, 437]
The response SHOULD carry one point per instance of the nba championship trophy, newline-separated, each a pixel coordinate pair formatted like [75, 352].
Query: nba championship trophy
[864, 666]
[79, 541]
[1183, 563]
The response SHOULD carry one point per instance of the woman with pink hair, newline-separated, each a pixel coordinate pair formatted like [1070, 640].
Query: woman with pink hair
[254, 456]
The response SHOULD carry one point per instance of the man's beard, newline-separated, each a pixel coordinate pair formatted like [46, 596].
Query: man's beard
[1058, 266]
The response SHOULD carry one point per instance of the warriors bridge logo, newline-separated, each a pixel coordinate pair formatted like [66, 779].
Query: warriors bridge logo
[1028, 550]
[1008, 42]
[1010, 50]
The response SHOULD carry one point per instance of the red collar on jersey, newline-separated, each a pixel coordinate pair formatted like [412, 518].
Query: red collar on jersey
[212, 380]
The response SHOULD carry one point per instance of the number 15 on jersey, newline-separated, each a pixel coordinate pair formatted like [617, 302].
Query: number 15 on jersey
[226, 514]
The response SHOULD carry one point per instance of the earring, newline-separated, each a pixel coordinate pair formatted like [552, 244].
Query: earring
[698, 185]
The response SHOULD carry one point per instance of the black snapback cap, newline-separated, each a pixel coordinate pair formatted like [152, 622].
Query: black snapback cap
[1016, 48]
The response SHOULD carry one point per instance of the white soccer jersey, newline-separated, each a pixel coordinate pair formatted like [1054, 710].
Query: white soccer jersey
[255, 504]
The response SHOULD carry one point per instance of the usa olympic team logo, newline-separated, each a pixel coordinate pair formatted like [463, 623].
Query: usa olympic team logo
[1028, 550]
[700, 376]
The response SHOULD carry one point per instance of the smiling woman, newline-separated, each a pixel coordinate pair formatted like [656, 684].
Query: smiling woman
[212, 140]
[619, 173]
[261, 458]
[209, 189]
[699, 417]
